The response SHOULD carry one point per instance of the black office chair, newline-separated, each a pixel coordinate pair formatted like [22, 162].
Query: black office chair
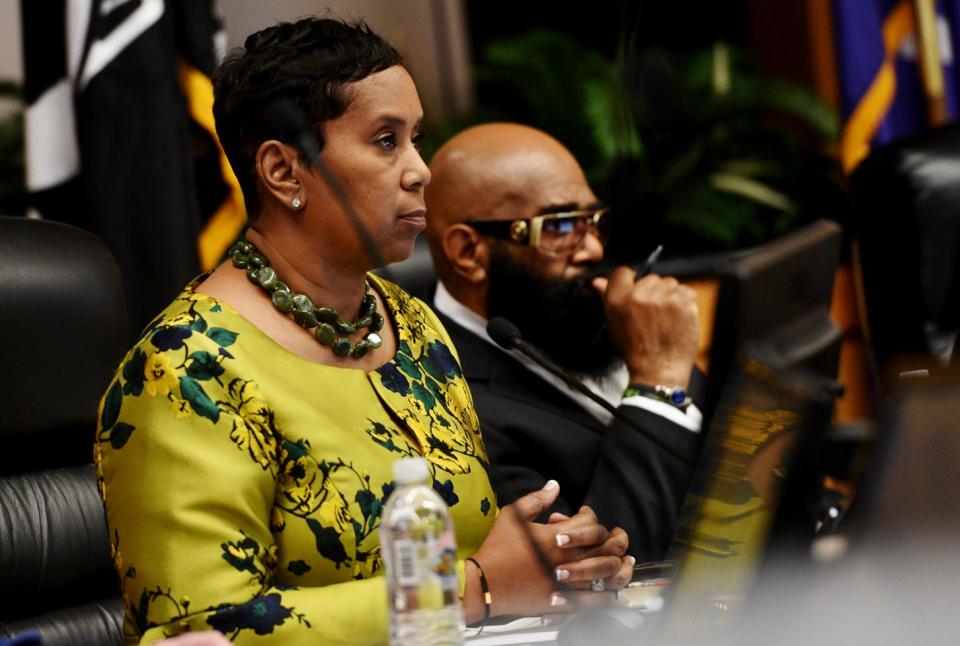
[62, 331]
[908, 228]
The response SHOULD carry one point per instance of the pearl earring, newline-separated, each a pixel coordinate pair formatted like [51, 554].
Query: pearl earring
[295, 202]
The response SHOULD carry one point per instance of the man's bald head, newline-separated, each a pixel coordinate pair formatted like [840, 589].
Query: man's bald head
[500, 171]
[496, 171]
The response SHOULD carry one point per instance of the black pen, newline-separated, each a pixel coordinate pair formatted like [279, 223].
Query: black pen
[647, 266]
[641, 270]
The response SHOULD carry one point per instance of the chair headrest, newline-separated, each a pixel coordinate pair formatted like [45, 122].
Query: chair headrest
[63, 326]
[908, 226]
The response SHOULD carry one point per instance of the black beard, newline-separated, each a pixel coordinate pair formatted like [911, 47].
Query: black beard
[563, 317]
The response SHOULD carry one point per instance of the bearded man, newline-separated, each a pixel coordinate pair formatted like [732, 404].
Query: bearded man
[516, 231]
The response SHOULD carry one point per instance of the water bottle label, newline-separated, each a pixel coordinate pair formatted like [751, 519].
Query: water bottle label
[417, 560]
[408, 562]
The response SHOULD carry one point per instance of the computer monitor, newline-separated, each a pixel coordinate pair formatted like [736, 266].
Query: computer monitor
[774, 352]
[744, 493]
[891, 574]
[776, 300]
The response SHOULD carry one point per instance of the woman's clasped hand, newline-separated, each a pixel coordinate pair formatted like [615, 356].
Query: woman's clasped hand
[530, 566]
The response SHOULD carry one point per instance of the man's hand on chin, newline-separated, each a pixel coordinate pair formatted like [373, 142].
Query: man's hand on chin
[653, 322]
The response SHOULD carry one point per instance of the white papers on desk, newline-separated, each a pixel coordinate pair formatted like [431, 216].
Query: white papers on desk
[546, 636]
[519, 631]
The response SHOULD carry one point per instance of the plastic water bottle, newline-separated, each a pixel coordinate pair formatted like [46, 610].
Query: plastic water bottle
[420, 555]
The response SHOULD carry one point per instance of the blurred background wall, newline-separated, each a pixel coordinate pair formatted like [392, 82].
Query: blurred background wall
[430, 34]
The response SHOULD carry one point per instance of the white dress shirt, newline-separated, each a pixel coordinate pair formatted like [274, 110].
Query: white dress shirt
[609, 388]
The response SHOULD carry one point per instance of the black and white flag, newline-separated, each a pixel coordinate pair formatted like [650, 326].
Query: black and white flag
[119, 135]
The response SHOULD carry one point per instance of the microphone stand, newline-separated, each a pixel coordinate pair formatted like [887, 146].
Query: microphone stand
[533, 353]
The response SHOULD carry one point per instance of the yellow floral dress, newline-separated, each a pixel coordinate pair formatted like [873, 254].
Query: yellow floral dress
[244, 484]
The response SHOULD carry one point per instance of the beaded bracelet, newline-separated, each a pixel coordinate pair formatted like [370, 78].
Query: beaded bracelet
[487, 598]
[674, 396]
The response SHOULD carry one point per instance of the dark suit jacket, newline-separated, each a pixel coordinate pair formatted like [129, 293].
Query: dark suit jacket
[534, 433]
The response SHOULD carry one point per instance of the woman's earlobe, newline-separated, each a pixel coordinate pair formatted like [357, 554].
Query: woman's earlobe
[277, 167]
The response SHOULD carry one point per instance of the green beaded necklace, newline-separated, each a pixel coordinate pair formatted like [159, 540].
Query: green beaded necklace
[330, 328]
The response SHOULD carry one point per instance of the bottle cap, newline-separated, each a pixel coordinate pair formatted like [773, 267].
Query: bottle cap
[410, 470]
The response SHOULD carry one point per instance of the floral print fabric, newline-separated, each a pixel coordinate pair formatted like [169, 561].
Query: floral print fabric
[244, 484]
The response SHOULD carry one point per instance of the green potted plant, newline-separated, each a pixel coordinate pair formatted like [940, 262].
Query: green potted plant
[699, 152]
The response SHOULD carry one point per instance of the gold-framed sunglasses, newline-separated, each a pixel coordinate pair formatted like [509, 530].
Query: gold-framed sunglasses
[554, 234]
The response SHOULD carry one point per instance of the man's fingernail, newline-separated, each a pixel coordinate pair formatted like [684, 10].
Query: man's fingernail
[562, 575]
[632, 561]
[551, 485]
[558, 600]
[562, 539]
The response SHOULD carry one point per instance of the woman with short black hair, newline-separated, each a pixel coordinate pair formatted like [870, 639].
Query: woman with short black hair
[247, 439]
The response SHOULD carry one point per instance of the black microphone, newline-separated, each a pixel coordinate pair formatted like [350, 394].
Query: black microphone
[291, 125]
[508, 336]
